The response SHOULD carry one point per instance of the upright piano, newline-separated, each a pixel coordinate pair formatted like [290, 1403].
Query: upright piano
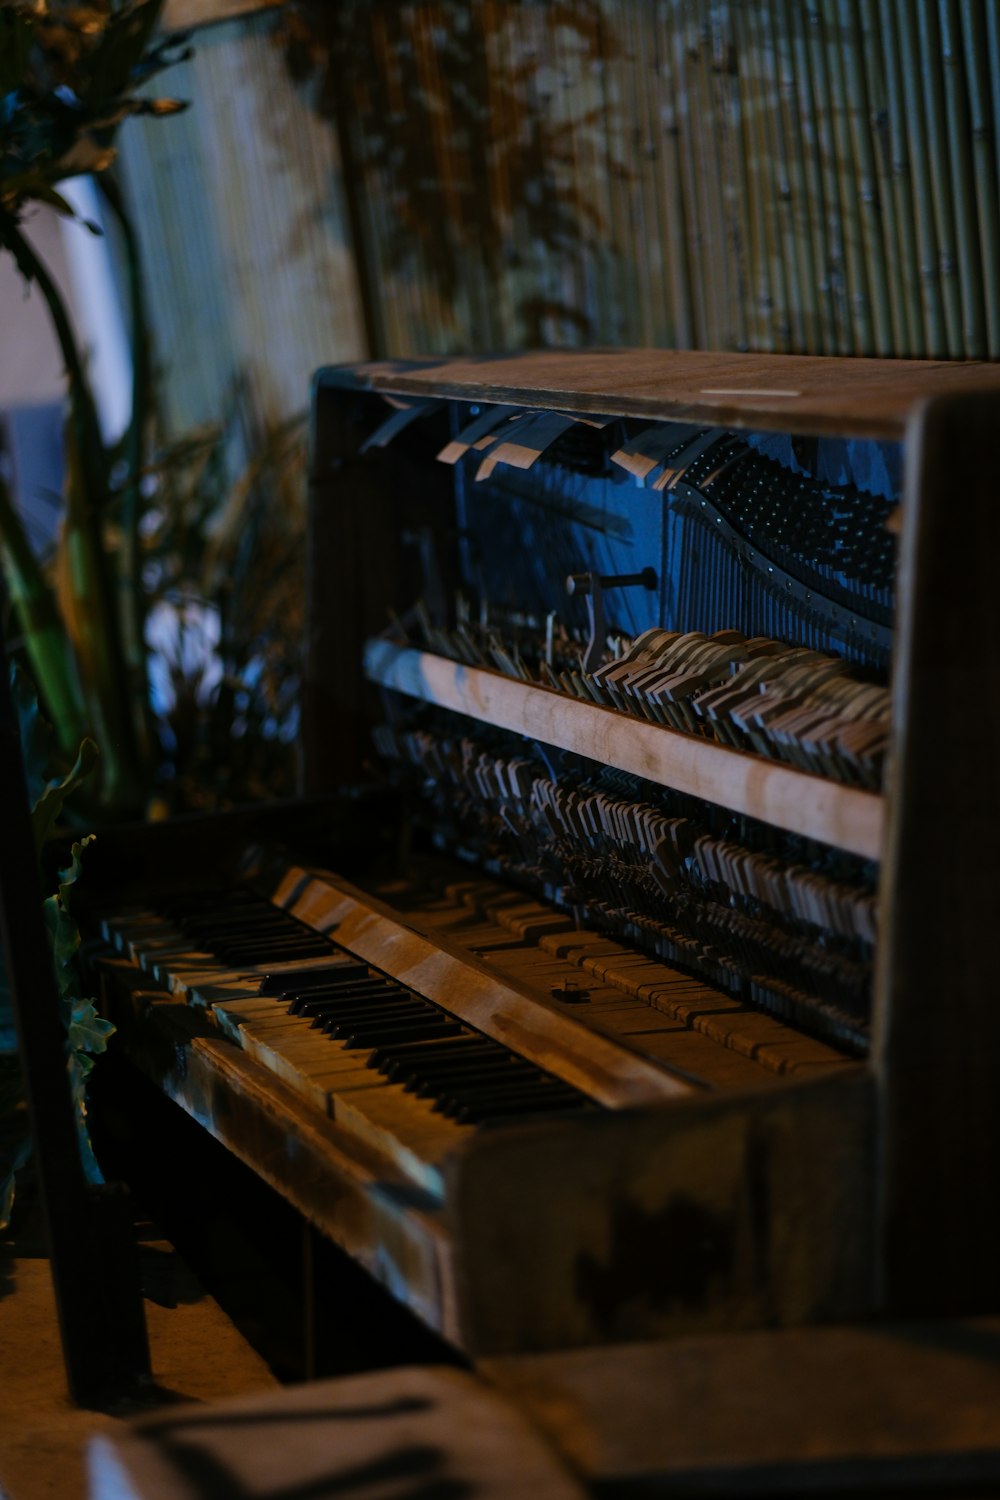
[624, 971]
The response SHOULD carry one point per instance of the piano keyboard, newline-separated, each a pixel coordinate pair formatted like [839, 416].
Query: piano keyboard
[391, 1066]
[412, 1044]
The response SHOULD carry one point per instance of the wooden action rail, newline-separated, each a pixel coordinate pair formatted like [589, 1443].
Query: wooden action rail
[848, 818]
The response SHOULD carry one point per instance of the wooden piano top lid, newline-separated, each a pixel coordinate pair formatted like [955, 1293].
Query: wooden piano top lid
[822, 396]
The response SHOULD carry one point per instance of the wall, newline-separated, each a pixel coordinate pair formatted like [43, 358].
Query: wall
[238, 204]
[757, 174]
[31, 368]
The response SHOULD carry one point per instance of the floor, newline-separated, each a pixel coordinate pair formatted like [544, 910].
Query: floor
[197, 1356]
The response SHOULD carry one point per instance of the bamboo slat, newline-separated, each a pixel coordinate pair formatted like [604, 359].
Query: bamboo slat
[984, 146]
[961, 168]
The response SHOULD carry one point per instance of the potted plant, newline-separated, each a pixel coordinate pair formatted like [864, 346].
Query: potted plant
[69, 75]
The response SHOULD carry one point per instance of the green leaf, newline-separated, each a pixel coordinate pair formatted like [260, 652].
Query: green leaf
[47, 194]
[79, 1066]
[88, 1032]
[73, 871]
[64, 939]
[64, 935]
[50, 804]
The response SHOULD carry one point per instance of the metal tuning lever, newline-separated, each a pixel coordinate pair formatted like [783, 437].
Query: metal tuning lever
[594, 585]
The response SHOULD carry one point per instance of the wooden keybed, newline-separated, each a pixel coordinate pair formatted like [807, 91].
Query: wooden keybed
[737, 1170]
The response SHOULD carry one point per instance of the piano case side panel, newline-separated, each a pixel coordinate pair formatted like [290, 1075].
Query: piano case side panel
[359, 567]
[937, 1039]
[723, 1214]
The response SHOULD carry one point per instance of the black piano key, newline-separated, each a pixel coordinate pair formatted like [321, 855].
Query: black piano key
[332, 1017]
[245, 918]
[280, 948]
[517, 1080]
[425, 1066]
[287, 985]
[468, 1101]
[263, 934]
[193, 904]
[486, 1065]
[378, 1026]
[494, 1063]
[322, 1002]
[378, 1007]
[397, 1060]
[255, 935]
[259, 933]
[368, 1034]
[237, 957]
[334, 988]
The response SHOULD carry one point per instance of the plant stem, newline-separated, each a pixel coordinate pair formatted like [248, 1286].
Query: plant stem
[44, 634]
[131, 600]
[94, 626]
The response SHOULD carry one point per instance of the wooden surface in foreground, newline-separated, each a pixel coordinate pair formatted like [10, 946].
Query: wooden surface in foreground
[821, 1411]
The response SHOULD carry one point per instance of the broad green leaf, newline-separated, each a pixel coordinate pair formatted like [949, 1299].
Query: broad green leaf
[73, 871]
[64, 940]
[88, 1032]
[50, 804]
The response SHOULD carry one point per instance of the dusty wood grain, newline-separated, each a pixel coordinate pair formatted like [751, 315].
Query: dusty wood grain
[828, 1410]
[775, 392]
[846, 817]
[728, 1212]
[937, 1020]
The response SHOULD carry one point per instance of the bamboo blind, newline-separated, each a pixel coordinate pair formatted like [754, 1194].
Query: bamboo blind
[239, 210]
[763, 174]
[814, 177]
